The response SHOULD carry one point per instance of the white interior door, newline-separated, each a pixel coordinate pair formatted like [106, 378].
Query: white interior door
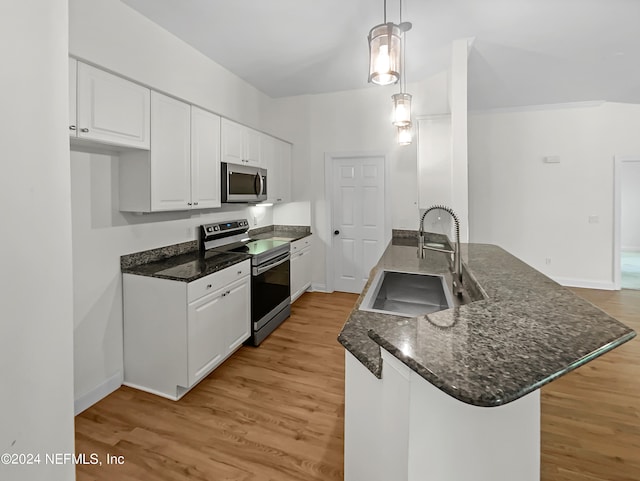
[358, 220]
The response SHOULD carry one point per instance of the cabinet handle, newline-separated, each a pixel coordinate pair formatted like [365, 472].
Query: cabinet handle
[228, 292]
[188, 203]
[239, 272]
[208, 286]
[84, 129]
[195, 203]
[223, 294]
[72, 127]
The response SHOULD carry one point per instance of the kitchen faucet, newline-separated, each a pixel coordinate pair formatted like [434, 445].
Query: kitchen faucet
[456, 266]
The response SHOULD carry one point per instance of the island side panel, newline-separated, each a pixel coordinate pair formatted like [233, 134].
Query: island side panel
[451, 440]
[376, 422]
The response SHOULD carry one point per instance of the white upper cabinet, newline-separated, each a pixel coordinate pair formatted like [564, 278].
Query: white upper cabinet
[182, 170]
[170, 153]
[276, 157]
[205, 159]
[111, 109]
[240, 144]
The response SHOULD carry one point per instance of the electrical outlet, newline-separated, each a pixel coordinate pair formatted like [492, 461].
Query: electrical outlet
[547, 260]
[594, 219]
[255, 220]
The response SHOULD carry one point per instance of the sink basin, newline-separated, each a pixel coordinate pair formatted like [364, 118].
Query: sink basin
[406, 294]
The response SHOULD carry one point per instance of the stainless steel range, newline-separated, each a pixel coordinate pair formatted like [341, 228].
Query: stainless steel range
[270, 272]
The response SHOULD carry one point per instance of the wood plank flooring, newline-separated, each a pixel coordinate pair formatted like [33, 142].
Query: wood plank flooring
[591, 417]
[271, 413]
[276, 413]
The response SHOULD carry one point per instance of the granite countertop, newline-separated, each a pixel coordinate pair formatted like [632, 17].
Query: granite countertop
[290, 233]
[182, 262]
[187, 267]
[526, 332]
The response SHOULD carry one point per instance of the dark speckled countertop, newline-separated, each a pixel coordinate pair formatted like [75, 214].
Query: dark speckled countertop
[182, 262]
[527, 332]
[291, 233]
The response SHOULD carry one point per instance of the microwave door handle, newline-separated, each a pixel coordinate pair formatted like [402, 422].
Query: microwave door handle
[255, 187]
[261, 184]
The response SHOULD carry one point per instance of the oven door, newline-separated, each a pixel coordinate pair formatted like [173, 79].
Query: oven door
[270, 290]
[242, 183]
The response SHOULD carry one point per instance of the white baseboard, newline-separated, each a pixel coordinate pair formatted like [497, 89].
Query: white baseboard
[317, 287]
[103, 390]
[602, 285]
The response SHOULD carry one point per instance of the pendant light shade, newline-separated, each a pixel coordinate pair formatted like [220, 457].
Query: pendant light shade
[384, 54]
[404, 134]
[401, 109]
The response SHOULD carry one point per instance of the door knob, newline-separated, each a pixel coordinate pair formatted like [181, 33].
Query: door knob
[336, 232]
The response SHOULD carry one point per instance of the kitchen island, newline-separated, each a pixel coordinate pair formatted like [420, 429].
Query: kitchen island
[453, 395]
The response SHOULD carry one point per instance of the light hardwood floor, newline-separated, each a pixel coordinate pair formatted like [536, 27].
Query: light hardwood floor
[276, 412]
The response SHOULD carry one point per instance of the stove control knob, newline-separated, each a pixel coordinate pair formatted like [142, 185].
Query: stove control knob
[209, 229]
[216, 228]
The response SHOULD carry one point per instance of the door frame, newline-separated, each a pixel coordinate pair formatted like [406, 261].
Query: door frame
[330, 159]
[619, 161]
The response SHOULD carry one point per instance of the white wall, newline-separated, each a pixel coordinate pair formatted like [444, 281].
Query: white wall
[630, 206]
[540, 211]
[114, 36]
[36, 319]
[354, 121]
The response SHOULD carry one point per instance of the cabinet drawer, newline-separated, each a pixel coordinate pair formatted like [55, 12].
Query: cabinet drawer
[300, 244]
[217, 280]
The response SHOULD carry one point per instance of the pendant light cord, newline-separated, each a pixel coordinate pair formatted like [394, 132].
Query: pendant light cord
[403, 80]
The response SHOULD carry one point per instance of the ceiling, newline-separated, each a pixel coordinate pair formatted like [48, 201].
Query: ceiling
[525, 51]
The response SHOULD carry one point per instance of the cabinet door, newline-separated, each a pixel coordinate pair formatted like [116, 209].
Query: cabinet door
[232, 140]
[73, 85]
[205, 159]
[170, 154]
[236, 314]
[251, 152]
[284, 155]
[300, 272]
[112, 109]
[296, 276]
[206, 334]
[269, 162]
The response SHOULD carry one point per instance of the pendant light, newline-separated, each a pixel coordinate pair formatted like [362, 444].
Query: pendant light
[384, 52]
[404, 134]
[402, 100]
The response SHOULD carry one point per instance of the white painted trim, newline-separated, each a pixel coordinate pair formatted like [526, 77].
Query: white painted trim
[158, 393]
[100, 392]
[586, 284]
[318, 287]
[617, 215]
[329, 160]
[533, 108]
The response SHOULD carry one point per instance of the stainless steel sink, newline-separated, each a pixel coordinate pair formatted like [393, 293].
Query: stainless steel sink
[406, 294]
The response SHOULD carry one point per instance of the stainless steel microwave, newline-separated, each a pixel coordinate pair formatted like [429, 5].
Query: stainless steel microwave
[243, 183]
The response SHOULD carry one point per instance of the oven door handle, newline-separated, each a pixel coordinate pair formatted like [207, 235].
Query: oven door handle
[260, 269]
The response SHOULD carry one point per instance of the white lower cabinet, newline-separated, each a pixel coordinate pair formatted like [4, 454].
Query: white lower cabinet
[176, 333]
[300, 267]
